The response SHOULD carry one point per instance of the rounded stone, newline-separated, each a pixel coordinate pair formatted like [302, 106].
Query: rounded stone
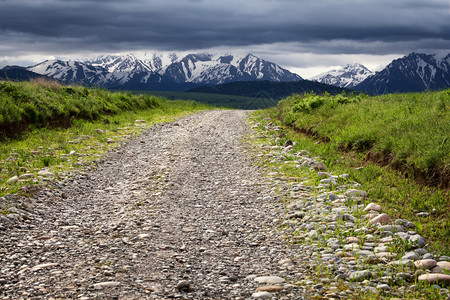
[262, 295]
[356, 193]
[285, 262]
[405, 223]
[183, 285]
[106, 284]
[269, 279]
[425, 264]
[445, 265]
[383, 287]
[270, 288]
[360, 275]
[373, 206]
[12, 180]
[392, 228]
[382, 219]
[411, 255]
[435, 278]
[352, 239]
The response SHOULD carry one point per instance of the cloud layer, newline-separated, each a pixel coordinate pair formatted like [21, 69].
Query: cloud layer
[57, 27]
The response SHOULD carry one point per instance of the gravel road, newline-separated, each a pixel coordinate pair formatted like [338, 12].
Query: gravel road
[178, 212]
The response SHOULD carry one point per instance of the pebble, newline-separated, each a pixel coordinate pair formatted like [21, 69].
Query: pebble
[262, 295]
[373, 206]
[428, 256]
[425, 264]
[356, 193]
[106, 284]
[435, 278]
[402, 263]
[383, 287]
[411, 255]
[286, 262]
[352, 239]
[144, 236]
[382, 219]
[419, 240]
[43, 266]
[270, 288]
[320, 166]
[46, 173]
[183, 285]
[360, 275]
[391, 228]
[269, 279]
[444, 265]
[405, 223]
[12, 180]
[423, 214]
[26, 176]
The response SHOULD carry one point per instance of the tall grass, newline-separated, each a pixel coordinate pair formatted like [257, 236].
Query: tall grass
[408, 130]
[41, 103]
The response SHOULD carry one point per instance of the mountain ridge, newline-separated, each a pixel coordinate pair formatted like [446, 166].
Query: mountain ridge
[158, 73]
[415, 72]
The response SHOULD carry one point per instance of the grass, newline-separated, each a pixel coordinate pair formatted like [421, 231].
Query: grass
[407, 131]
[41, 145]
[400, 194]
[40, 103]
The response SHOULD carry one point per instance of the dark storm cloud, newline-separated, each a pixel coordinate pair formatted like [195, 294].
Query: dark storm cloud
[346, 26]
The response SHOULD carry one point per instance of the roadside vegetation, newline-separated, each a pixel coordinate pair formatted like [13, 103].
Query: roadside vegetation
[396, 146]
[56, 128]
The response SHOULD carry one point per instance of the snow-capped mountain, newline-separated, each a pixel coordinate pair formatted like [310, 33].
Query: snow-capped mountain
[346, 77]
[210, 69]
[164, 72]
[71, 71]
[414, 72]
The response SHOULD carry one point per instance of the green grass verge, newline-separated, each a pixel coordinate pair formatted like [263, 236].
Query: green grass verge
[63, 150]
[400, 195]
[407, 131]
[40, 103]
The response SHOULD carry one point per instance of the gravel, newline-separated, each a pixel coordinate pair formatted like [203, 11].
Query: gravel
[178, 212]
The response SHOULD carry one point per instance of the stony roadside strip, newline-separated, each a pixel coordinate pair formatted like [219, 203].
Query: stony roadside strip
[348, 248]
[183, 212]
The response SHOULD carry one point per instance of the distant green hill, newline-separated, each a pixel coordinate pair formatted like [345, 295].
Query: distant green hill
[219, 100]
[270, 89]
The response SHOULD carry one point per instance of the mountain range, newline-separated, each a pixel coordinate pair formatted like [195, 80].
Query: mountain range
[414, 72]
[162, 72]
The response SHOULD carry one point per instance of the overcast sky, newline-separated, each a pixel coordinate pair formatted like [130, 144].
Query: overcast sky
[305, 36]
